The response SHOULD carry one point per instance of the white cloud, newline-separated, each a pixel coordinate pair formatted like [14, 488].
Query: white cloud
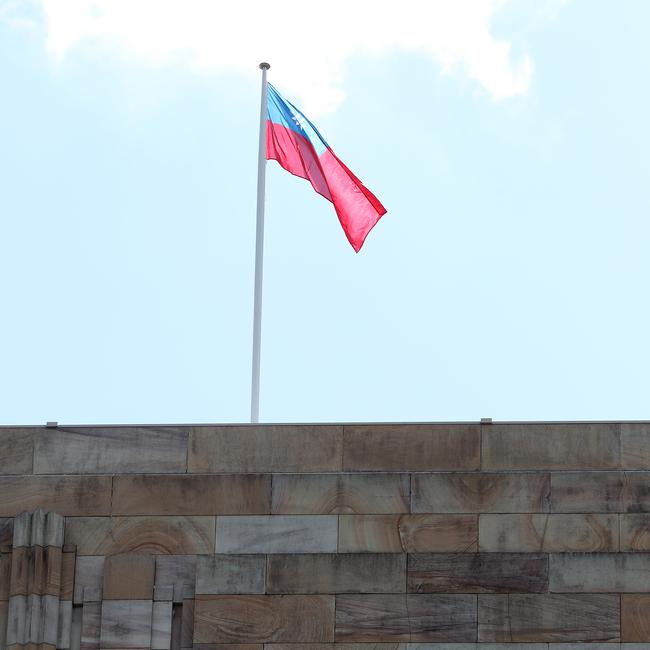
[308, 44]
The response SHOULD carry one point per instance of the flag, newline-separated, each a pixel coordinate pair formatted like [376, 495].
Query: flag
[294, 142]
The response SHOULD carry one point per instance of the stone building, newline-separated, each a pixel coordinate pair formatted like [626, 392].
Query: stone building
[389, 536]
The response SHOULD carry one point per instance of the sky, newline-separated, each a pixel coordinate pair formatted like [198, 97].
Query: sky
[507, 139]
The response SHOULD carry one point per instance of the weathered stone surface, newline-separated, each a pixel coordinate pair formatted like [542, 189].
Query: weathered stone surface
[263, 619]
[68, 561]
[66, 495]
[548, 617]
[410, 617]
[635, 617]
[600, 573]
[129, 576]
[16, 450]
[178, 571]
[270, 448]
[635, 532]
[101, 450]
[230, 574]
[6, 531]
[277, 534]
[548, 532]
[484, 492]
[408, 533]
[477, 573]
[36, 570]
[405, 447]
[635, 445]
[600, 492]
[5, 575]
[551, 446]
[126, 623]
[168, 535]
[161, 626]
[340, 493]
[242, 494]
[89, 575]
[90, 625]
[336, 573]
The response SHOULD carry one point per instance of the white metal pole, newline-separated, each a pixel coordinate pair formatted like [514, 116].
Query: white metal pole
[259, 255]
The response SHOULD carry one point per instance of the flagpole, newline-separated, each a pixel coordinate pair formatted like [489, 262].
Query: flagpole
[259, 255]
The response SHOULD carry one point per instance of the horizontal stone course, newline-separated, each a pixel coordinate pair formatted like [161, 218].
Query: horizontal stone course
[340, 493]
[551, 446]
[263, 619]
[167, 535]
[65, 495]
[459, 492]
[230, 574]
[548, 617]
[261, 449]
[551, 533]
[599, 572]
[411, 617]
[277, 534]
[336, 573]
[408, 533]
[477, 573]
[600, 492]
[411, 447]
[192, 494]
[107, 450]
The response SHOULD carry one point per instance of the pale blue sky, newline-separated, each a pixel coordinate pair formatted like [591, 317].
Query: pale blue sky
[509, 278]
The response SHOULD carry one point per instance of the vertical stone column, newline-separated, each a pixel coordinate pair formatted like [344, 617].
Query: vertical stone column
[36, 581]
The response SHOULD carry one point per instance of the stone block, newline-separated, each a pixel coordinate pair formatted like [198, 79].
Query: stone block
[64, 625]
[480, 492]
[551, 446]
[600, 492]
[600, 572]
[408, 533]
[277, 534]
[104, 450]
[16, 450]
[478, 573]
[129, 576]
[36, 570]
[178, 571]
[165, 535]
[411, 447]
[65, 495]
[635, 618]
[161, 626]
[91, 620]
[323, 494]
[336, 573]
[551, 533]
[89, 574]
[269, 448]
[226, 494]
[68, 561]
[230, 574]
[126, 624]
[635, 532]
[635, 445]
[372, 618]
[263, 619]
[5, 576]
[548, 618]
[187, 624]
[6, 531]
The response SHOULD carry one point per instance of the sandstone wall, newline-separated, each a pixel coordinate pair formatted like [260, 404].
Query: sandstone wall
[418, 536]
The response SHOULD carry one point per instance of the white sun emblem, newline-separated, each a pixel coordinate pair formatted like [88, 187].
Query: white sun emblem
[299, 120]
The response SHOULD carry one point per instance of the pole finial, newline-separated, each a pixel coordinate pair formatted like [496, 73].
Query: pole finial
[264, 65]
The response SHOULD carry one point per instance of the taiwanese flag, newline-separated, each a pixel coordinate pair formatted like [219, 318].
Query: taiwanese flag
[294, 142]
